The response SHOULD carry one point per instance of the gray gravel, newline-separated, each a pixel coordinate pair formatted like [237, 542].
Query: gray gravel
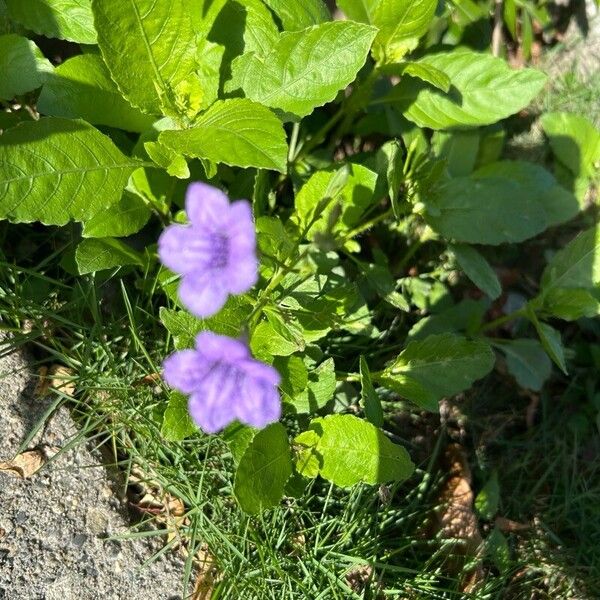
[54, 526]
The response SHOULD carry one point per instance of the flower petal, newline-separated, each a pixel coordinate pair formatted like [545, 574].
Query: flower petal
[242, 274]
[260, 371]
[210, 418]
[203, 293]
[221, 348]
[258, 404]
[185, 370]
[241, 229]
[185, 249]
[206, 206]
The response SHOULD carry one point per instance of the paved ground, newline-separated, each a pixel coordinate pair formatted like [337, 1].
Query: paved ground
[54, 526]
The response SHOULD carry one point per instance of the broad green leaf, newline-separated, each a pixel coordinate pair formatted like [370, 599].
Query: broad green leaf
[349, 450]
[24, 68]
[347, 202]
[382, 281]
[359, 10]
[577, 265]
[477, 269]
[263, 470]
[551, 341]
[465, 316]
[228, 321]
[299, 14]
[460, 150]
[488, 499]
[177, 423]
[209, 57]
[484, 90]
[319, 390]
[575, 142]
[401, 23]
[571, 304]
[369, 397]
[149, 48]
[238, 437]
[559, 204]
[305, 69]
[423, 71]
[64, 19]
[527, 362]
[104, 253]
[81, 87]
[498, 550]
[124, 218]
[266, 342]
[236, 132]
[170, 160]
[439, 365]
[56, 170]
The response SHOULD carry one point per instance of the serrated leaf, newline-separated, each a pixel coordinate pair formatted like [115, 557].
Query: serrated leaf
[263, 470]
[149, 48]
[319, 390]
[477, 269]
[440, 365]
[122, 219]
[571, 304]
[104, 253]
[401, 23]
[551, 341]
[70, 20]
[56, 170]
[209, 57]
[348, 450]
[238, 437]
[81, 87]
[177, 423]
[577, 265]
[484, 90]
[527, 362]
[370, 400]
[266, 341]
[236, 132]
[305, 69]
[299, 14]
[23, 66]
[575, 142]
[488, 499]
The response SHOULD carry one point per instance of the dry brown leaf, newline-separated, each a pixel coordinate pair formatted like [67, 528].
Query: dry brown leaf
[43, 383]
[508, 526]
[61, 378]
[27, 463]
[208, 574]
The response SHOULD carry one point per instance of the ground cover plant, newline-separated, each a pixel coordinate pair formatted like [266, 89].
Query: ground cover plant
[268, 244]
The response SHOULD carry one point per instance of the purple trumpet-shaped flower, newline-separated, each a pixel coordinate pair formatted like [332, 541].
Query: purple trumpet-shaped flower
[224, 383]
[215, 254]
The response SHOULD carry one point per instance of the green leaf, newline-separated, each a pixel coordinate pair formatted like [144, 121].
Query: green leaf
[104, 253]
[23, 66]
[238, 437]
[571, 304]
[299, 14]
[228, 321]
[440, 365]
[382, 281]
[209, 57]
[369, 397]
[527, 362]
[551, 341]
[422, 71]
[305, 69]
[497, 549]
[509, 201]
[318, 392]
[347, 202]
[460, 150]
[248, 135]
[484, 90]
[359, 10]
[559, 204]
[267, 341]
[577, 265]
[63, 19]
[488, 499]
[149, 48]
[575, 142]
[54, 170]
[177, 423]
[477, 269]
[401, 23]
[263, 470]
[348, 450]
[124, 218]
[81, 87]
[170, 160]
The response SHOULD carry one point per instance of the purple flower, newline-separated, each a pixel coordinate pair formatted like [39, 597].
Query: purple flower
[224, 383]
[215, 254]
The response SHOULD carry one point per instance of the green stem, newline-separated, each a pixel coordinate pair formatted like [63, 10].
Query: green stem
[517, 314]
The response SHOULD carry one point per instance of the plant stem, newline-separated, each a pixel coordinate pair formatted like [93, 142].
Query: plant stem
[517, 314]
